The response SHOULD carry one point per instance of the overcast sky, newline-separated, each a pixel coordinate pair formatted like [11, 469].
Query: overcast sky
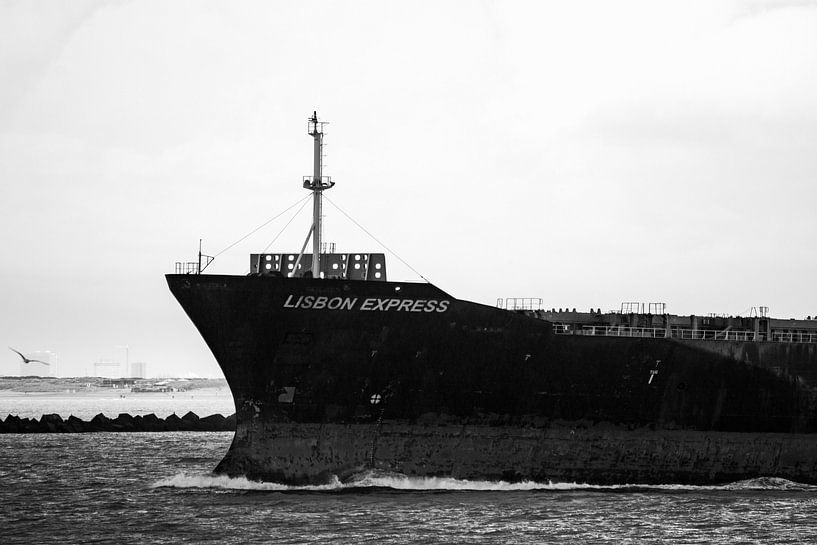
[587, 153]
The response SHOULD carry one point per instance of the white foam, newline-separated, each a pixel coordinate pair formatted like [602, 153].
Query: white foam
[769, 483]
[396, 481]
[183, 480]
[403, 482]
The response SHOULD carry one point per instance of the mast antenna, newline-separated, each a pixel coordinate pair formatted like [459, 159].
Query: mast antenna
[316, 183]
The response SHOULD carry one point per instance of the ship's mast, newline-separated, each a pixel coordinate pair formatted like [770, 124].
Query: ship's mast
[317, 183]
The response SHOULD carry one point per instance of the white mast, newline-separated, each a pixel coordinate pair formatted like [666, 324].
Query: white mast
[317, 183]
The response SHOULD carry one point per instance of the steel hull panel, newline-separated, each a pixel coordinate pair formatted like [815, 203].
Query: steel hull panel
[447, 384]
[603, 454]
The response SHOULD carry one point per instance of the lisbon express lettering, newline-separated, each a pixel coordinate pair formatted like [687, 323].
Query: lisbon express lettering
[322, 302]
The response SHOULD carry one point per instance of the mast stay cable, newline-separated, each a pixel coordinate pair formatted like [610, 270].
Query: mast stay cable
[271, 242]
[392, 252]
[299, 201]
[295, 215]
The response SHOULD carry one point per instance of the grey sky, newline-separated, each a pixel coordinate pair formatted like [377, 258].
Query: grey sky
[584, 152]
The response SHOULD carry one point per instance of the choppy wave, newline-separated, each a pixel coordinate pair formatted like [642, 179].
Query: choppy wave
[396, 481]
[769, 483]
[107, 496]
[183, 480]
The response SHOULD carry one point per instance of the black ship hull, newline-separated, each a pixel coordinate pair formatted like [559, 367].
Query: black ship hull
[332, 377]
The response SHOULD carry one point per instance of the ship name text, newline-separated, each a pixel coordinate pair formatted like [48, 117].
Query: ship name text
[322, 302]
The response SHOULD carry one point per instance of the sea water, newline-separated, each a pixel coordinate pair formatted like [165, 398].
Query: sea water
[159, 488]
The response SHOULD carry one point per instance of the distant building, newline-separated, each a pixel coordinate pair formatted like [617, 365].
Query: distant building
[153, 387]
[138, 369]
[108, 369]
[123, 383]
[40, 369]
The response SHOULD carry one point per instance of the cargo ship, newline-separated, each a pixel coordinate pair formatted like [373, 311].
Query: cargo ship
[337, 370]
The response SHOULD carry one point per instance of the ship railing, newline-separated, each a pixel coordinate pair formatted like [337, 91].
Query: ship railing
[715, 335]
[187, 267]
[684, 334]
[794, 337]
[611, 331]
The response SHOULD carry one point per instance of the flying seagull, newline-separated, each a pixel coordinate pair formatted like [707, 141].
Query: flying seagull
[26, 360]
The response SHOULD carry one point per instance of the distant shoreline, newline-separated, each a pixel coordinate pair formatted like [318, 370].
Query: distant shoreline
[10, 385]
[112, 392]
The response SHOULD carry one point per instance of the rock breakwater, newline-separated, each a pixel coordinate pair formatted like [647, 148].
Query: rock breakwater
[54, 423]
